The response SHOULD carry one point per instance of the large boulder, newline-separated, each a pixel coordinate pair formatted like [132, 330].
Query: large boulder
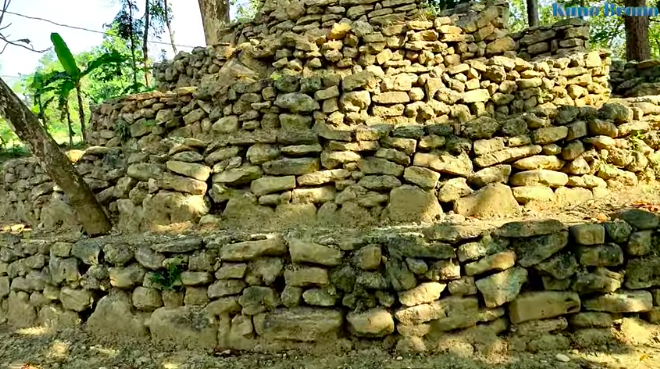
[412, 204]
[297, 102]
[310, 252]
[621, 302]
[165, 208]
[233, 70]
[248, 250]
[502, 287]
[643, 273]
[422, 294]
[492, 201]
[113, 318]
[188, 327]
[533, 250]
[543, 305]
[20, 313]
[58, 318]
[299, 324]
[376, 322]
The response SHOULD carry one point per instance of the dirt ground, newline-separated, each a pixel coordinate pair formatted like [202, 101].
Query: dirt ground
[37, 348]
[644, 196]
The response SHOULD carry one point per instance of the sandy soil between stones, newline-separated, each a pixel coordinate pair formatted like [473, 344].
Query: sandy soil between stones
[636, 347]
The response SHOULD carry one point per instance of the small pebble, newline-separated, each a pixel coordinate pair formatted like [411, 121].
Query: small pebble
[563, 358]
[399, 358]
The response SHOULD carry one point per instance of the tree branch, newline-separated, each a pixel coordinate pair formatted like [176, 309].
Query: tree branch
[23, 42]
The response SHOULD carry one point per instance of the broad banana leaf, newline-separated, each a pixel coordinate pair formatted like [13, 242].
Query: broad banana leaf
[57, 77]
[65, 56]
[112, 58]
[63, 93]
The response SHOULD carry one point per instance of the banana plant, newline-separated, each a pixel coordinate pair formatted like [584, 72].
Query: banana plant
[40, 87]
[72, 76]
[63, 90]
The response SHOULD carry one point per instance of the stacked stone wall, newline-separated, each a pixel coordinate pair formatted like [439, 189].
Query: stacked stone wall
[352, 113]
[537, 285]
[289, 156]
[481, 24]
[276, 153]
[188, 68]
[29, 196]
[634, 79]
[563, 38]
[358, 113]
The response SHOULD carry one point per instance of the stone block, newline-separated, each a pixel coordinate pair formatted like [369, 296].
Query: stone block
[502, 287]
[299, 324]
[588, 234]
[621, 302]
[543, 305]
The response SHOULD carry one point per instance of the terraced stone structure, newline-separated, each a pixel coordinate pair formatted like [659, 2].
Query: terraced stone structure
[290, 144]
[536, 285]
[388, 114]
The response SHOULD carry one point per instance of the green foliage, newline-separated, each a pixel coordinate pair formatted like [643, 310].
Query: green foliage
[71, 72]
[609, 32]
[12, 152]
[8, 138]
[103, 81]
[246, 10]
[637, 139]
[65, 56]
[70, 79]
[115, 79]
[170, 278]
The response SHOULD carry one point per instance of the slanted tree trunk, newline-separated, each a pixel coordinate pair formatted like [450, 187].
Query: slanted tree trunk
[145, 41]
[637, 34]
[89, 211]
[532, 13]
[168, 22]
[215, 13]
[81, 113]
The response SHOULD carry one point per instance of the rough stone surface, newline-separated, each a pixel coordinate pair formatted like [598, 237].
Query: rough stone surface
[621, 302]
[502, 287]
[494, 200]
[187, 327]
[299, 324]
[373, 323]
[543, 305]
[112, 318]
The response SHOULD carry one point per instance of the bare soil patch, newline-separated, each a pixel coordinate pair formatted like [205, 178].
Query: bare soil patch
[37, 348]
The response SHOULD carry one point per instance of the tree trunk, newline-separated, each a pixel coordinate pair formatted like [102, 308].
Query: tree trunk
[131, 32]
[532, 13]
[81, 113]
[637, 34]
[69, 123]
[42, 112]
[145, 41]
[89, 211]
[215, 13]
[168, 22]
